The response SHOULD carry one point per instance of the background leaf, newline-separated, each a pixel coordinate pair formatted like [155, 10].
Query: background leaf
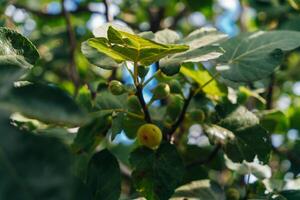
[104, 177]
[251, 57]
[201, 190]
[156, 173]
[45, 103]
[17, 55]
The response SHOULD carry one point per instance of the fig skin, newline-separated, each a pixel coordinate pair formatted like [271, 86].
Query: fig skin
[161, 91]
[116, 87]
[149, 135]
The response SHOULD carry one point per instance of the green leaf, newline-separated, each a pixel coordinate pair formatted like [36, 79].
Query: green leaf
[97, 58]
[166, 36]
[201, 76]
[203, 45]
[218, 134]
[251, 139]
[45, 103]
[200, 190]
[122, 46]
[251, 57]
[37, 166]
[17, 55]
[117, 124]
[255, 168]
[107, 101]
[274, 121]
[104, 177]
[16, 46]
[291, 194]
[90, 135]
[156, 174]
[237, 117]
[131, 126]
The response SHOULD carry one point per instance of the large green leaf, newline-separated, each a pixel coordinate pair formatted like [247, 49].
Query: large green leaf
[97, 58]
[156, 174]
[200, 190]
[122, 46]
[251, 57]
[104, 177]
[250, 140]
[166, 36]
[89, 136]
[274, 121]
[17, 55]
[218, 134]
[201, 76]
[45, 103]
[107, 101]
[35, 167]
[203, 45]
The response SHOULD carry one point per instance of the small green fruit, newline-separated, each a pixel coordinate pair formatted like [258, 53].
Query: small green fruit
[116, 87]
[161, 91]
[197, 115]
[143, 71]
[175, 86]
[133, 104]
[170, 70]
[149, 135]
[174, 107]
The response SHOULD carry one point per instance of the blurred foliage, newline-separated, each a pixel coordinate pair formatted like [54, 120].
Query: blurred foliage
[65, 135]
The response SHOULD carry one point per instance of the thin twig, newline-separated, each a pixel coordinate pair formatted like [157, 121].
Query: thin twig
[181, 115]
[207, 159]
[151, 78]
[139, 94]
[185, 106]
[107, 14]
[269, 97]
[72, 41]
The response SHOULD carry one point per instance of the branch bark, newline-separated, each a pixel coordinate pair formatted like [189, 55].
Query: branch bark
[181, 115]
[72, 49]
[139, 94]
[269, 97]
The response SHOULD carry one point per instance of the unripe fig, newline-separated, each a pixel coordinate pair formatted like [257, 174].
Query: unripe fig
[116, 87]
[175, 86]
[161, 91]
[170, 70]
[149, 135]
[143, 71]
[174, 107]
[197, 115]
[133, 104]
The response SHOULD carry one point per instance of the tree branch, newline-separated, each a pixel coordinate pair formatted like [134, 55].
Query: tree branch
[208, 159]
[139, 94]
[181, 115]
[108, 17]
[269, 97]
[72, 41]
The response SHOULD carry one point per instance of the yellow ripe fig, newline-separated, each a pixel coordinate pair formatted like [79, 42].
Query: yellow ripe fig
[149, 135]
